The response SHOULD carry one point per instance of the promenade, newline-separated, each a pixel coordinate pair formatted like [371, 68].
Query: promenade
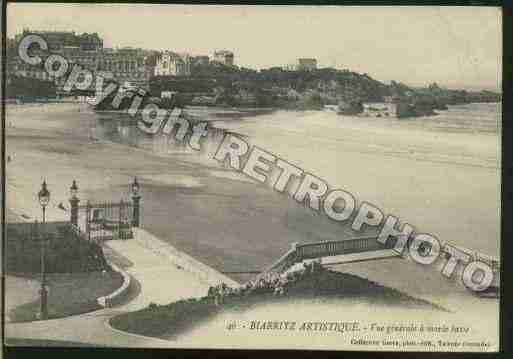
[161, 281]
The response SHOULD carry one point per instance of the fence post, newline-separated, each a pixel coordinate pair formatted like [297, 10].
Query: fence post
[88, 219]
[74, 210]
[120, 217]
[136, 210]
[294, 247]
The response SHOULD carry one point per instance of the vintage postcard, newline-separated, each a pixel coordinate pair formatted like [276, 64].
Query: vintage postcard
[253, 177]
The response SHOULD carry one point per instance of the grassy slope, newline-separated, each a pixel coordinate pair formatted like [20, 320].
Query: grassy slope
[77, 271]
[70, 294]
[165, 321]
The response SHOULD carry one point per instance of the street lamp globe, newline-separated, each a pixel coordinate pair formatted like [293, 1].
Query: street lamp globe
[44, 195]
[73, 190]
[135, 187]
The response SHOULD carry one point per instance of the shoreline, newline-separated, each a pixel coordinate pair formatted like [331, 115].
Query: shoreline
[205, 211]
[174, 188]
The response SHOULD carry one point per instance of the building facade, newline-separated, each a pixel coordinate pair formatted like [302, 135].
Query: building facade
[200, 60]
[57, 40]
[84, 49]
[290, 67]
[224, 57]
[125, 65]
[128, 66]
[173, 64]
[306, 64]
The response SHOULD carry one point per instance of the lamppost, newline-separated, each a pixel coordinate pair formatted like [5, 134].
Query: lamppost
[135, 198]
[73, 190]
[44, 198]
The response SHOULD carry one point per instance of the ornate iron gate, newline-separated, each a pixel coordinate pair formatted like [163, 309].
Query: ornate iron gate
[107, 220]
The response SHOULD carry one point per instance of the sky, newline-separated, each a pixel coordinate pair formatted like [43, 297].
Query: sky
[457, 47]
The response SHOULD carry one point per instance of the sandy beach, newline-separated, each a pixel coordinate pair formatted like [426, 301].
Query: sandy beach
[450, 173]
[442, 180]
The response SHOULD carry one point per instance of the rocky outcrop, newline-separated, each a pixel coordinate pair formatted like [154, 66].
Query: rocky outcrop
[350, 108]
[415, 109]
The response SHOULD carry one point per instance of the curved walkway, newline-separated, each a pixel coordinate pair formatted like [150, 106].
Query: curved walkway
[161, 280]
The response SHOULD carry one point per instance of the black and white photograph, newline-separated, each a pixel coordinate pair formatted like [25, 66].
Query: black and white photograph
[253, 177]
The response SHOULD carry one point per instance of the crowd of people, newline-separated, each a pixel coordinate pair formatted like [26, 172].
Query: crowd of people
[267, 283]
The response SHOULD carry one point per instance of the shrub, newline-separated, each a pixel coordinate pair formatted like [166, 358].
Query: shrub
[65, 252]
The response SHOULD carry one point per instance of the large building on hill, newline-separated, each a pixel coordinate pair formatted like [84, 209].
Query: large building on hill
[173, 64]
[306, 64]
[200, 60]
[57, 40]
[224, 57]
[126, 65]
[84, 49]
[301, 64]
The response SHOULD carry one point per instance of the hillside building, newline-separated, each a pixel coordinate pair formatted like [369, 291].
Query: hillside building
[306, 64]
[173, 64]
[224, 57]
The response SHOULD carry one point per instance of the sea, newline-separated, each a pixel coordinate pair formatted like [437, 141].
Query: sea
[440, 174]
